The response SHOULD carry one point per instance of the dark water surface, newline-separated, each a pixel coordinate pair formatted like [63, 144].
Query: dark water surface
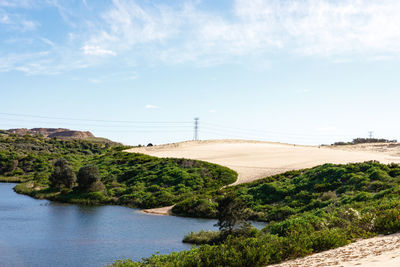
[44, 233]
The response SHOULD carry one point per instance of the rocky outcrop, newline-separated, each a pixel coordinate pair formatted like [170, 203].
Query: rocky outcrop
[53, 132]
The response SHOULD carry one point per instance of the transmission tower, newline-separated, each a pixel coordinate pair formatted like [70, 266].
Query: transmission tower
[370, 133]
[196, 129]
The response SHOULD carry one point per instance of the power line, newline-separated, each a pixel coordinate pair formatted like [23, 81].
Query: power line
[160, 127]
[221, 127]
[76, 119]
[196, 129]
[97, 125]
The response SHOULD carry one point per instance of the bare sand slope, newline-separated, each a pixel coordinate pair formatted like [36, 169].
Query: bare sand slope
[374, 252]
[254, 160]
[392, 149]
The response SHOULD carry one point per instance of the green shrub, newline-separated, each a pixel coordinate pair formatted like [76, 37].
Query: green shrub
[388, 221]
[202, 237]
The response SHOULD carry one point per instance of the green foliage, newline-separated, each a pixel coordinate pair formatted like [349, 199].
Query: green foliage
[202, 237]
[196, 207]
[364, 141]
[388, 221]
[135, 180]
[89, 179]
[307, 211]
[231, 214]
[63, 176]
[149, 182]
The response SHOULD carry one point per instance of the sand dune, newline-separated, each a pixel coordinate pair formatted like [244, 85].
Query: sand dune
[254, 160]
[374, 252]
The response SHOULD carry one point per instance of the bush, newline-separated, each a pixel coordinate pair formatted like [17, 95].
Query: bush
[63, 176]
[328, 239]
[196, 207]
[388, 221]
[202, 237]
[89, 179]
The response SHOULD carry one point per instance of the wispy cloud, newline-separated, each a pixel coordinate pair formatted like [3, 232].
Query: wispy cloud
[147, 33]
[97, 51]
[17, 22]
[17, 3]
[151, 107]
[317, 28]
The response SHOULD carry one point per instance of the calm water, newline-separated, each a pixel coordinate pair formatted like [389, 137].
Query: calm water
[43, 233]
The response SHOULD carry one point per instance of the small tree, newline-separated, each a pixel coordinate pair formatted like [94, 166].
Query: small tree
[232, 215]
[89, 179]
[63, 176]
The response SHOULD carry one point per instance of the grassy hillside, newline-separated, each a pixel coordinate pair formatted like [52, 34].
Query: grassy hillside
[130, 179]
[307, 211]
[30, 157]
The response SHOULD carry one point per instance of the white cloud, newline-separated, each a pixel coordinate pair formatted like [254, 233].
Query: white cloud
[17, 3]
[143, 32]
[151, 107]
[17, 22]
[212, 111]
[97, 51]
[304, 91]
[188, 34]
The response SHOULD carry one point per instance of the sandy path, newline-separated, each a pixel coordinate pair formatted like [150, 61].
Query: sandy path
[374, 252]
[254, 160]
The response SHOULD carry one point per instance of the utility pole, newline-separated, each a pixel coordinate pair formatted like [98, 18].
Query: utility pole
[196, 129]
[370, 134]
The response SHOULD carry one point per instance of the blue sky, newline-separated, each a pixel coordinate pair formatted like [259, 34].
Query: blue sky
[139, 71]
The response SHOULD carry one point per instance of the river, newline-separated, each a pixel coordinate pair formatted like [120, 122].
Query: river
[45, 233]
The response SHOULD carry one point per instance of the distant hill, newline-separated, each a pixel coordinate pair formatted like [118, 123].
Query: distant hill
[357, 141]
[53, 132]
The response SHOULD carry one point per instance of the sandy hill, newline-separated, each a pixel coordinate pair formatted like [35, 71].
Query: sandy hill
[255, 160]
[53, 132]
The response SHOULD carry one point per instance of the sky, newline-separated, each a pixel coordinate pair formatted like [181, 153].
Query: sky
[140, 71]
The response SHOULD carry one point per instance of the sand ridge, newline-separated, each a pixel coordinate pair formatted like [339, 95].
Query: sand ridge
[253, 160]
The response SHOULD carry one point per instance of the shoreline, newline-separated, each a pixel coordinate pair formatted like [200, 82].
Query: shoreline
[163, 211]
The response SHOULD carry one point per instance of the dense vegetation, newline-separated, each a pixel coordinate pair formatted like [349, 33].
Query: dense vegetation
[29, 157]
[307, 211]
[105, 174]
[364, 141]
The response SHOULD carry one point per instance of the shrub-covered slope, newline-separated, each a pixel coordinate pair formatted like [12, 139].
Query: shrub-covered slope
[26, 157]
[307, 211]
[130, 179]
